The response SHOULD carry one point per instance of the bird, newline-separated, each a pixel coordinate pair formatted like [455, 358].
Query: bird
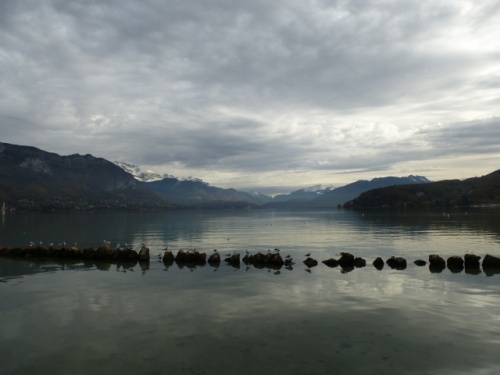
[288, 256]
[247, 251]
[308, 254]
[215, 251]
[277, 250]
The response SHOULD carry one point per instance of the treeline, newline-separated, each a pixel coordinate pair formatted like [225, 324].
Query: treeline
[449, 193]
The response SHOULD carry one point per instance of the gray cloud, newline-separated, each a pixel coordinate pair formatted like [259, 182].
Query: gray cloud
[271, 89]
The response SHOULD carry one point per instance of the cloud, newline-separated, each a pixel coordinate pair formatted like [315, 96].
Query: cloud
[235, 87]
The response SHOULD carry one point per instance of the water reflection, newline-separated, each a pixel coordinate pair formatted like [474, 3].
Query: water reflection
[361, 322]
[83, 317]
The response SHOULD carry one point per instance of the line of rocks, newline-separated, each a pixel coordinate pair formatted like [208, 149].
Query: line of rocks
[103, 252]
[347, 262]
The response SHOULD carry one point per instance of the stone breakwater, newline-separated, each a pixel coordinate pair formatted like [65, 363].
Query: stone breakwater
[272, 260]
[103, 252]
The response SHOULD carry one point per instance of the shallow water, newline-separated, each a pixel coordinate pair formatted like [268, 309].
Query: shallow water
[62, 317]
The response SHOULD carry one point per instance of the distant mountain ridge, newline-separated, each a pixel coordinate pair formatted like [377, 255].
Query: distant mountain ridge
[31, 178]
[310, 192]
[188, 191]
[448, 193]
[348, 192]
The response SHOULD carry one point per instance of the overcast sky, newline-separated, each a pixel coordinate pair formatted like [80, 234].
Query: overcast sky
[257, 93]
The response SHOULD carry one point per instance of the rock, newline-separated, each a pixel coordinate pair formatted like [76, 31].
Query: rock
[190, 257]
[233, 260]
[472, 261]
[359, 262]
[378, 263]
[436, 263]
[397, 263]
[420, 262]
[168, 258]
[144, 254]
[346, 260]
[310, 262]
[491, 262]
[455, 263]
[214, 259]
[331, 262]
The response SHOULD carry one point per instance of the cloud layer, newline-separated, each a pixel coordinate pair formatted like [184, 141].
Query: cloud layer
[283, 93]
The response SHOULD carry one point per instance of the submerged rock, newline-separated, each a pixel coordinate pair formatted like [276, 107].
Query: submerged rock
[378, 263]
[144, 254]
[472, 261]
[455, 263]
[331, 262]
[214, 259]
[436, 263]
[346, 260]
[233, 260]
[397, 263]
[491, 262]
[359, 262]
[269, 260]
[310, 262]
[190, 257]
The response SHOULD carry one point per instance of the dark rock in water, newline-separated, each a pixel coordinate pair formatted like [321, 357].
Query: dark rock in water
[310, 262]
[346, 269]
[420, 262]
[436, 263]
[472, 270]
[168, 258]
[359, 262]
[144, 254]
[88, 253]
[378, 263]
[397, 263]
[491, 262]
[190, 257]
[472, 261]
[233, 260]
[331, 262]
[214, 259]
[346, 260]
[269, 260]
[455, 263]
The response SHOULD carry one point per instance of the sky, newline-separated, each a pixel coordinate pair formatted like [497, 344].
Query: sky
[258, 95]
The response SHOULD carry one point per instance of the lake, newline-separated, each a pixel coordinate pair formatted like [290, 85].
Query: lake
[63, 317]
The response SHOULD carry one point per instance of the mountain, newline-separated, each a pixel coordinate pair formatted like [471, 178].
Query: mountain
[33, 178]
[138, 174]
[196, 193]
[304, 194]
[348, 192]
[190, 191]
[261, 198]
[448, 193]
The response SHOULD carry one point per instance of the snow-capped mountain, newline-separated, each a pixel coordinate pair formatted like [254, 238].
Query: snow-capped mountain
[136, 171]
[304, 194]
[318, 189]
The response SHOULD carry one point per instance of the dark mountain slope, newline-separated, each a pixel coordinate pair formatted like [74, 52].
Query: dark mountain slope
[448, 193]
[39, 178]
[199, 193]
[348, 192]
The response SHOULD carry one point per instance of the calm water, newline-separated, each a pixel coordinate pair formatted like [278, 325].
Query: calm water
[60, 318]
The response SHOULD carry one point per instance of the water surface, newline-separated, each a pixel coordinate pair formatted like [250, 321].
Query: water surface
[61, 317]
